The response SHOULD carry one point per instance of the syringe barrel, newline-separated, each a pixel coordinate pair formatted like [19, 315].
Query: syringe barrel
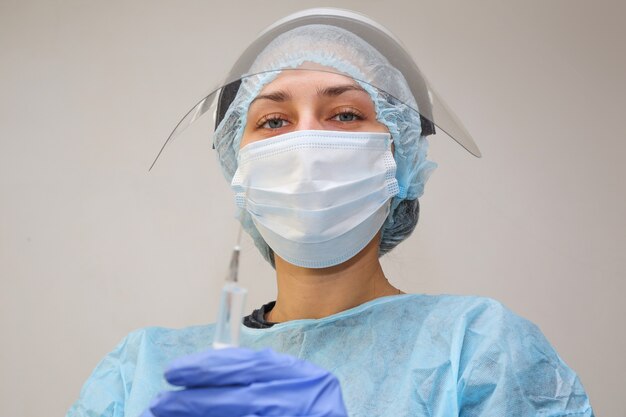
[228, 327]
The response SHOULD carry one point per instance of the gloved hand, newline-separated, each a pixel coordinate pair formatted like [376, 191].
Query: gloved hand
[241, 382]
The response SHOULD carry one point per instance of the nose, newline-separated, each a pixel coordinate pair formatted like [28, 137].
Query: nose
[309, 122]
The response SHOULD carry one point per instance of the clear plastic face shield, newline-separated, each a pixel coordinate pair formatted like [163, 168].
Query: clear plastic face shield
[339, 42]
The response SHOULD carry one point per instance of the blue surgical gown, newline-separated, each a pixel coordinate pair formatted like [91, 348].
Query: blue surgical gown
[405, 355]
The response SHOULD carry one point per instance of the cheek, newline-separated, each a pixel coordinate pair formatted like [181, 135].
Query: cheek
[244, 140]
[246, 137]
[379, 127]
[374, 124]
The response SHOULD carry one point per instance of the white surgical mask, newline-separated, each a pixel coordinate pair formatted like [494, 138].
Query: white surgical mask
[317, 197]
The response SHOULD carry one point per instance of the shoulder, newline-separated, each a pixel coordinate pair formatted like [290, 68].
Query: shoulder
[481, 327]
[490, 317]
[158, 339]
[136, 364]
[183, 339]
[458, 320]
[504, 362]
[486, 327]
[461, 310]
[463, 321]
[151, 348]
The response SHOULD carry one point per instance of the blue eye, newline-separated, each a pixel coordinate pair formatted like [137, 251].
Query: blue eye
[275, 123]
[347, 116]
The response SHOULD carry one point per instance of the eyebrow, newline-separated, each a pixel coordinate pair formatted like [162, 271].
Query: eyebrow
[278, 96]
[337, 90]
[281, 96]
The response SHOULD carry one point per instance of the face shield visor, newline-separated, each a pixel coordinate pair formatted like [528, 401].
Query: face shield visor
[336, 41]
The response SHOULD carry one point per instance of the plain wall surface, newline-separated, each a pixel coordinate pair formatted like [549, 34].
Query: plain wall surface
[93, 246]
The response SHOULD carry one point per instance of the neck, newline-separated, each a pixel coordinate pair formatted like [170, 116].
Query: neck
[306, 293]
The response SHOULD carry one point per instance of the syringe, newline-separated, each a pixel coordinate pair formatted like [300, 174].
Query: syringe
[232, 304]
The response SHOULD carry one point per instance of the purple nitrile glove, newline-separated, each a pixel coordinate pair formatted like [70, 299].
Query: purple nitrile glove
[239, 382]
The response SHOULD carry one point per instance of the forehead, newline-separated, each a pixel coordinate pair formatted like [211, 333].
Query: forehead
[306, 80]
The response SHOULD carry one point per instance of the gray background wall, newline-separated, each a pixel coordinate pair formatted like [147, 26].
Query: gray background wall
[92, 246]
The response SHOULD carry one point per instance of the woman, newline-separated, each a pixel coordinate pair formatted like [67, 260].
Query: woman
[324, 142]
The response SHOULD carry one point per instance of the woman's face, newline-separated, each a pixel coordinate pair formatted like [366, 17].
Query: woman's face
[310, 100]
